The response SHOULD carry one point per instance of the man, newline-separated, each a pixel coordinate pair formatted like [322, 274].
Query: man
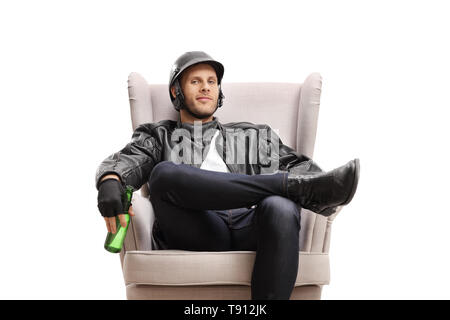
[210, 195]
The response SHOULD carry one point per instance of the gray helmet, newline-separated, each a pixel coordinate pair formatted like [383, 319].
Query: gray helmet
[182, 63]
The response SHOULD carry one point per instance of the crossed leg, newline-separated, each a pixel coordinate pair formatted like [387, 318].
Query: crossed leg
[185, 199]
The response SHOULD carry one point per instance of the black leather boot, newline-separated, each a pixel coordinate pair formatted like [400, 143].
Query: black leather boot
[321, 192]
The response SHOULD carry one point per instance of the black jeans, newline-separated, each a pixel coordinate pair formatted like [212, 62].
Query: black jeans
[203, 210]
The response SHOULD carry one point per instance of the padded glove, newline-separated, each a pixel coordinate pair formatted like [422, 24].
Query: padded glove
[110, 195]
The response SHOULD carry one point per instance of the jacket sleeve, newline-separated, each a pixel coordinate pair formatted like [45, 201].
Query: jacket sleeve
[134, 163]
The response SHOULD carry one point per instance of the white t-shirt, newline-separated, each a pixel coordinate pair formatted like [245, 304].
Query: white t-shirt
[213, 161]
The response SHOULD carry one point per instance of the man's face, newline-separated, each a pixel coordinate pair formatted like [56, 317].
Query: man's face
[199, 81]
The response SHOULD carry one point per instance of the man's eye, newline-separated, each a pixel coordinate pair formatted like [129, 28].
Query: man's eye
[210, 81]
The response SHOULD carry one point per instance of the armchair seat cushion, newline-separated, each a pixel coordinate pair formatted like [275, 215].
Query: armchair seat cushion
[189, 268]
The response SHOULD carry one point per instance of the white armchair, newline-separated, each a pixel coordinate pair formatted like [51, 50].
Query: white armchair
[290, 108]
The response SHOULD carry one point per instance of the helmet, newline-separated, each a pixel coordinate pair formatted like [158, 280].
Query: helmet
[182, 63]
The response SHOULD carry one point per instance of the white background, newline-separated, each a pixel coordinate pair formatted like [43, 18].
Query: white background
[385, 99]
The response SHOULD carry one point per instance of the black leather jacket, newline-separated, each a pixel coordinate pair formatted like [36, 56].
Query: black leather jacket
[155, 142]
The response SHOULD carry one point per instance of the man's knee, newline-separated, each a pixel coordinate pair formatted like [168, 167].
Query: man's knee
[163, 174]
[278, 213]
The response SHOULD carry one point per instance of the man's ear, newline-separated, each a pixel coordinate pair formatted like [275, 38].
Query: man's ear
[172, 90]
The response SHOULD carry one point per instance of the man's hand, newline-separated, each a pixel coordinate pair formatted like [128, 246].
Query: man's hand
[111, 221]
[110, 203]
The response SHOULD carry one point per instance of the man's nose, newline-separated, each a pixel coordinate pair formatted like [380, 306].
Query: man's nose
[205, 87]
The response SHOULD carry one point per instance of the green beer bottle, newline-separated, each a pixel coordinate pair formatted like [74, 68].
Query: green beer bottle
[114, 241]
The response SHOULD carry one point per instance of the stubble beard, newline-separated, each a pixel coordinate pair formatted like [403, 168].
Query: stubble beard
[200, 116]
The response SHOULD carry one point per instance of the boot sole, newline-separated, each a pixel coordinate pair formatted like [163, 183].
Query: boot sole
[355, 182]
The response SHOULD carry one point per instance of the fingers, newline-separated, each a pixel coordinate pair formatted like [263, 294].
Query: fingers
[111, 221]
[123, 221]
[130, 211]
[107, 224]
[111, 224]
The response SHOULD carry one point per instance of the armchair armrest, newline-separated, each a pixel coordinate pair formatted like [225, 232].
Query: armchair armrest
[140, 229]
[315, 231]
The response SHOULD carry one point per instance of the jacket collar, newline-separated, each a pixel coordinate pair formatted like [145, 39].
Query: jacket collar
[213, 124]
